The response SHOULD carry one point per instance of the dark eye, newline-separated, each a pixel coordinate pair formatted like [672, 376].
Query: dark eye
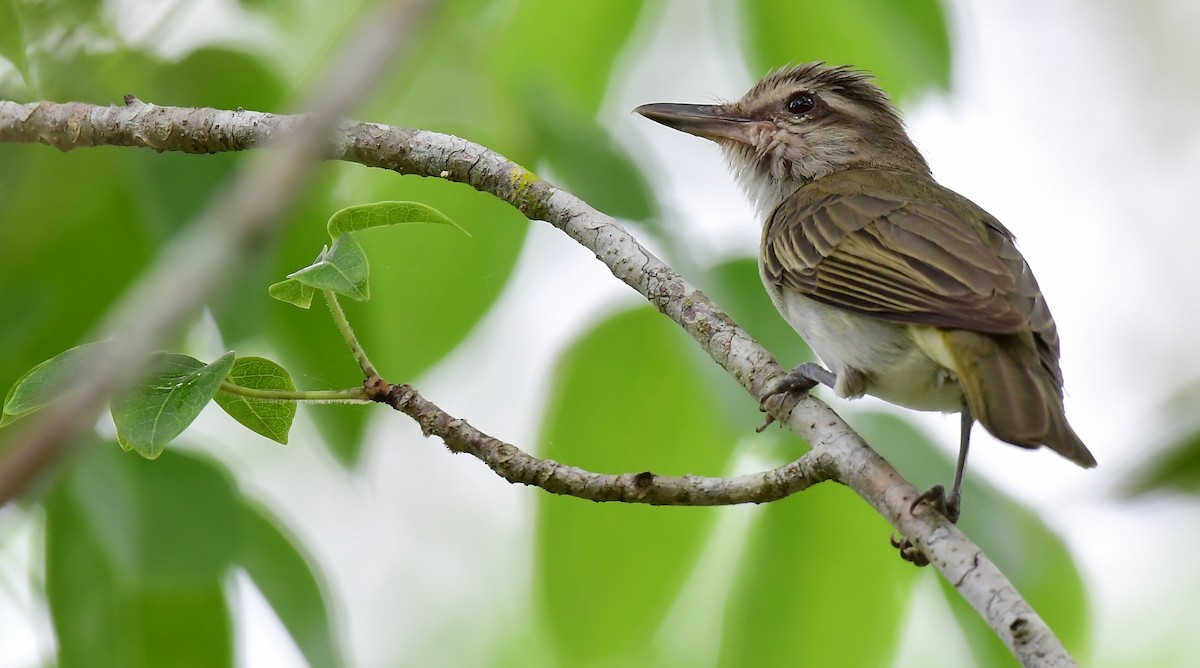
[801, 103]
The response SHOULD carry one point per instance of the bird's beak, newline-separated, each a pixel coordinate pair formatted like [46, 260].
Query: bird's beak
[703, 120]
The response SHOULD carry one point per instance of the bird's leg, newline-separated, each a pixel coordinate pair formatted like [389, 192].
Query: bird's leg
[803, 378]
[954, 501]
[949, 505]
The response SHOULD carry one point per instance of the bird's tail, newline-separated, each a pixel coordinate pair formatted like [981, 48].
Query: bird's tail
[1013, 396]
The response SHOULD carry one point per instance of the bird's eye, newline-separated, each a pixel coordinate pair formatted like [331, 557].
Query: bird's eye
[801, 103]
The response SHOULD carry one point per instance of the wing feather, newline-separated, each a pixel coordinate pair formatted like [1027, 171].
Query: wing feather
[909, 251]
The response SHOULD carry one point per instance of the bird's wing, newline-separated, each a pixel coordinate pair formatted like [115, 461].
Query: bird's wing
[907, 257]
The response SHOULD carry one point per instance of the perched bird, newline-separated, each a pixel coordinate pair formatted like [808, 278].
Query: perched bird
[906, 290]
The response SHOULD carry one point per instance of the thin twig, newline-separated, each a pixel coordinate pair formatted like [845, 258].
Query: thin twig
[353, 395]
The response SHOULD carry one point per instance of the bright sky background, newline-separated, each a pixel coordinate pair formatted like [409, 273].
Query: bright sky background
[1072, 121]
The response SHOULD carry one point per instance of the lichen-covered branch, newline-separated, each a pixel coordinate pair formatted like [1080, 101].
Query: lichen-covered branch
[838, 453]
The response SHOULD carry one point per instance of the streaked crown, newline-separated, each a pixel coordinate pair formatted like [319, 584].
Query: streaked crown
[809, 121]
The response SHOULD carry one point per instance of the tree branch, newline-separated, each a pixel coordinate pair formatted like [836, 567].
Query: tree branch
[838, 452]
[517, 466]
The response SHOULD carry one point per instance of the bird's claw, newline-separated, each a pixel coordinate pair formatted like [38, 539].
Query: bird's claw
[909, 552]
[793, 382]
[772, 395]
[936, 497]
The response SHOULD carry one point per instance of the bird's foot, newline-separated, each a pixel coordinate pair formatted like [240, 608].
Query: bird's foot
[799, 380]
[936, 497]
[950, 506]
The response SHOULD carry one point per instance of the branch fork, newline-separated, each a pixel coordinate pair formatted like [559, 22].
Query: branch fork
[838, 452]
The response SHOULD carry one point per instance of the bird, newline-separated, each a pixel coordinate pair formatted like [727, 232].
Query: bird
[905, 290]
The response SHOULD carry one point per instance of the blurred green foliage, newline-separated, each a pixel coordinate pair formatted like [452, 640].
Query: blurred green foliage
[825, 545]
[903, 42]
[136, 551]
[137, 554]
[12, 39]
[1173, 467]
[625, 391]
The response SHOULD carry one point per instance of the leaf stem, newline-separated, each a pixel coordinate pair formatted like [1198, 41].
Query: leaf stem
[353, 395]
[339, 316]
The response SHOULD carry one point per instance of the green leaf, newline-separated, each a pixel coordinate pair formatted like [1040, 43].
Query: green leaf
[292, 291]
[629, 397]
[285, 576]
[431, 287]
[137, 554]
[48, 381]
[428, 290]
[308, 343]
[1033, 557]
[905, 44]
[165, 401]
[12, 40]
[817, 570]
[364, 216]
[272, 419]
[341, 267]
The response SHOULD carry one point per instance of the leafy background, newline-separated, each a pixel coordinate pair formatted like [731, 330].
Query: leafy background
[361, 544]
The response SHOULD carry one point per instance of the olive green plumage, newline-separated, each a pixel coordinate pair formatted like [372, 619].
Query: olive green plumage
[905, 289]
[898, 247]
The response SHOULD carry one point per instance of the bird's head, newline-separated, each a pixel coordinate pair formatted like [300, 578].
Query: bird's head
[798, 124]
